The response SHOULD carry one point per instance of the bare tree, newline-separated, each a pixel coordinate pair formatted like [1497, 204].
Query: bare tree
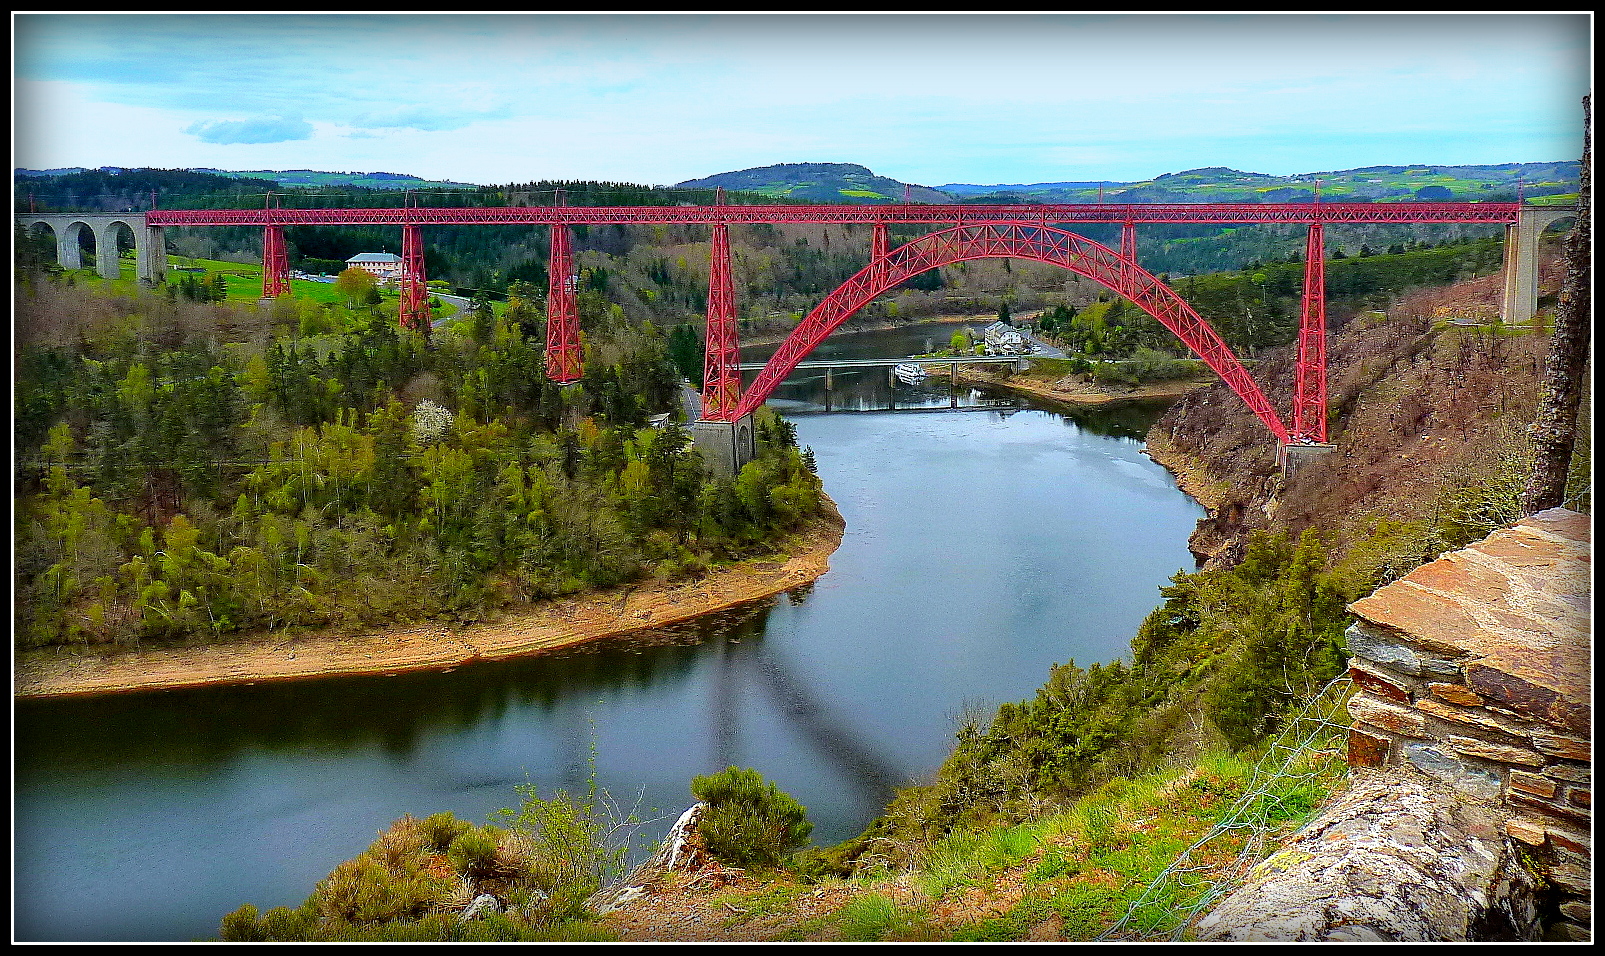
[1555, 428]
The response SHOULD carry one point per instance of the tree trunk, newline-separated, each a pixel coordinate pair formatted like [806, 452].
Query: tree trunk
[1555, 429]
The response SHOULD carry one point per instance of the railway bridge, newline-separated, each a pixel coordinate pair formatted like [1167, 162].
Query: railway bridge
[964, 232]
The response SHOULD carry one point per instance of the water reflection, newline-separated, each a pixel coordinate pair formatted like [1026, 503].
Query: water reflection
[344, 713]
[836, 739]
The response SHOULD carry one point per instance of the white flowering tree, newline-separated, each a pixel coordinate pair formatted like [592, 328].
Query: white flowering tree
[430, 422]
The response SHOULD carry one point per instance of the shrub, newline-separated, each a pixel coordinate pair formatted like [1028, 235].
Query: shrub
[473, 852]
[564, 848]
[241, 926]
[442, 828]
[284, 924]
[749, 822]
[362, 891]
[399, 847]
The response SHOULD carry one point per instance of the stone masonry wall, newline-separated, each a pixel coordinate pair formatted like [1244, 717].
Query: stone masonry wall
[1475, 671]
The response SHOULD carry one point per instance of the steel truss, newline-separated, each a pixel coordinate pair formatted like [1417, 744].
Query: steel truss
[413, 313]
[564, 354]
[955, 214]
[1016, 240]
[975, 231]
[721, 378]
[275, 263]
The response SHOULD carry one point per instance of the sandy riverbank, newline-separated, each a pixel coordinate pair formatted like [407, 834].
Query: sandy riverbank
[432, 646]
[1072, 392]
[1191, 476]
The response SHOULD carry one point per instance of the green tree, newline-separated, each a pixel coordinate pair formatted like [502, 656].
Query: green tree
[749, 822]
[357, 285]
[686, 352]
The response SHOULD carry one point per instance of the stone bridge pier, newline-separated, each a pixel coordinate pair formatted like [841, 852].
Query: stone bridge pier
[1521, 261]
[150, 250]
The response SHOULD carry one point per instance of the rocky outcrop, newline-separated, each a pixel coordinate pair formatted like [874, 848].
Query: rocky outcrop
[1398, 858]
[1475, 669]
[682, 851]
[1471, 738]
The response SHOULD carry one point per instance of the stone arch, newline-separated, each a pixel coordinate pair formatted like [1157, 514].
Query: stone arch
[74, 231]
[1014, 240]
[1520, 300]
[70, 243]
[109, 246]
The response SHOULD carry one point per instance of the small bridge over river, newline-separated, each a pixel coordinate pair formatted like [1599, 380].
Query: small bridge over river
[1018, 231]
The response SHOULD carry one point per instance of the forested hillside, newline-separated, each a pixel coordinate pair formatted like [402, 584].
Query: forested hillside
[821, 182]
[190, 470]
[1502, 182]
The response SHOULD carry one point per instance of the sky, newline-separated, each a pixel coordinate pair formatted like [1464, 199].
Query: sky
[930, 99]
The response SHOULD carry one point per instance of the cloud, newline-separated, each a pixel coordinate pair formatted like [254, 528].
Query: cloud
[263, 130]
[664, 98]
[421, 118]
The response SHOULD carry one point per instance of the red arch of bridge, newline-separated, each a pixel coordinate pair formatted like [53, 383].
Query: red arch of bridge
[1012, 240]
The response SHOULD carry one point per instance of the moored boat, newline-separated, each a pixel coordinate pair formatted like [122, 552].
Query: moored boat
[909, 373]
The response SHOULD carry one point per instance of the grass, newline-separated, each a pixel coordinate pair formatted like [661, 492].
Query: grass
[242, 280]
[874, 917]
[1085, 867]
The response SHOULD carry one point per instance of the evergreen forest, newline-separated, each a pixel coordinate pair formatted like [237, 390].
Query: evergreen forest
[189, 470]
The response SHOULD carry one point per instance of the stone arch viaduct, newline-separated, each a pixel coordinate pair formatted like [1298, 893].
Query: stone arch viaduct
[150, 251]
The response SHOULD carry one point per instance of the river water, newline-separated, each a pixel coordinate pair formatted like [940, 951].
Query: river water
[984, 543]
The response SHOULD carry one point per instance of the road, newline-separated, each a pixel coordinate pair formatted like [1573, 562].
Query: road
[457, 300]
[691, 402]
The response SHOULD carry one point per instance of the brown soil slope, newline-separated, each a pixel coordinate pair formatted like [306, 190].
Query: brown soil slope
[1418, 406]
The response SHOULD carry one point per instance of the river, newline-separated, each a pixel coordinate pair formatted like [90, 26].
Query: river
[983, 544]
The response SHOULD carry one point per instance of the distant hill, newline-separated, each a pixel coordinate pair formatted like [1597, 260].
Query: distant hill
[114, 187]
[63, 171]
[819, 182]
[1367, 184]
[309, 178]
[849, 182]
[314, 177]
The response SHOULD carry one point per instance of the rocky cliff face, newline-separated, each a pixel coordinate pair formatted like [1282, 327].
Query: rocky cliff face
[1419, 406]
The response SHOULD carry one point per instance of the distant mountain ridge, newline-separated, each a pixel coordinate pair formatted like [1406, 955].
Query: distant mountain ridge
[849, 182]
[853, 183]
[314, 177]
[819, 182]
[1365, 184]
[308, 178]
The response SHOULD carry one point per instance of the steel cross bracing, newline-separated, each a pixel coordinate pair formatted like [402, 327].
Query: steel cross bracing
[1309, 387]
[563, 351]
[721, 378]
[275, 263]
[956, 214]
[1015, 241]
[414, 308]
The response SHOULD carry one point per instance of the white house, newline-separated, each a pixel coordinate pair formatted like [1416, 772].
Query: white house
[385, 266]
[1004, 339]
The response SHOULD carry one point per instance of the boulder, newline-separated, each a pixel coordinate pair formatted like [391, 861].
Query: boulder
[1398, 857]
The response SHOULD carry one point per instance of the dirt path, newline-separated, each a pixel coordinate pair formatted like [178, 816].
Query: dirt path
[548, 626]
